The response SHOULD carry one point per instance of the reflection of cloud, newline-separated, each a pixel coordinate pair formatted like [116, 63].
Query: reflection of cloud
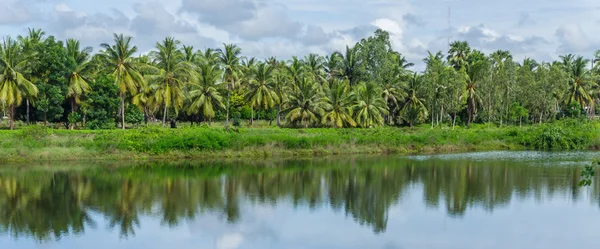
[230, 241]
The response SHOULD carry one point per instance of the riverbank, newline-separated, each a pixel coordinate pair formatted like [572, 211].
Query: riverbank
[33, 144]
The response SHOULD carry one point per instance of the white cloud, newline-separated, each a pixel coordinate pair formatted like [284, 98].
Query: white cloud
[230, 241]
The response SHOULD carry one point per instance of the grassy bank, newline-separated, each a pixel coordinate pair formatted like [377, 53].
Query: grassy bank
[39, 144]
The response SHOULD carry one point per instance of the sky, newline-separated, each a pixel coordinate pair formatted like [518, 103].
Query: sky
[539, 29]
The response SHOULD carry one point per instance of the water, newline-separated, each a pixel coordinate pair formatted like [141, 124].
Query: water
[477, 200]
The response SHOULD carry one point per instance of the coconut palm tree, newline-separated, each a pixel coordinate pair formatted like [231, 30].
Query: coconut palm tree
[350, 65]
[331, 65]
[280, 85]
[370, 107]
[30, 46]
[314, 67]
[13, 85]
[579, 82]
[261, 88]
[295, 69]
[306, 102]
[338, 105]
[77, 81]
[458, 55]
[119, 57]
[414, 108]
[173, 73]
[473, 75]
[229, 57]
[210, 56]
[204, 94]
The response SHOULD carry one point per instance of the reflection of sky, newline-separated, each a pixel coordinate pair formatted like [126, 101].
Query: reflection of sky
[526, 223]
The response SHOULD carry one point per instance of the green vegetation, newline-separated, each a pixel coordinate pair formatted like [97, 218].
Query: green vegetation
[36, 143]
[367, 85]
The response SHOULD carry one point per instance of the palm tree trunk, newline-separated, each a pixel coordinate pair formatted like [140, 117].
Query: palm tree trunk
[279, 115]
[251, 116]
[12, 116]
[441, 116]
[227, 115]
[45, 119]
[123, 111]
[210, 121]
[164, 116]
[520, 121]
[453, 121]
[27, 111]
[83, 120]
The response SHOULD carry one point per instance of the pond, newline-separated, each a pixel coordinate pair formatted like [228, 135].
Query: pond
[474, 200]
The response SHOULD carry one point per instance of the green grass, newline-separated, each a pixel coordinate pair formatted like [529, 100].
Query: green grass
[35, 143]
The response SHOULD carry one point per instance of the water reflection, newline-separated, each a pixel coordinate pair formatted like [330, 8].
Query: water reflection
[50, 204]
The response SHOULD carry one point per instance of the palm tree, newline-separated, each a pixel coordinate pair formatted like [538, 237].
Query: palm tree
[579, 82]
[473, 76]
[314, 67]
[306, 102]
[280, 86]
[392, 93]
[174, 72]
[230, 61]
[189, 54]
[350, 65]
[332, 65]
[458, 55]
[370, 107]
[204, 94]
[119, 57]
[210, 56]
[13, 85]
[78, 84]
[339, 102]
[29, 45]
[295, 69]
[261, 88]
[414, 109]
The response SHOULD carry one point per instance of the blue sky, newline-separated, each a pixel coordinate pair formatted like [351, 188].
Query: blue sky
[541, 29]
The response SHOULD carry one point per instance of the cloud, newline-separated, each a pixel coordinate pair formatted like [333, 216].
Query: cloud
[314, 35]
[269, 21]
[413, 20]
[221, 12]
[525, 19]
[572, 39]
[15, 12]
[230, 241]
[482, 37]
[152, 19]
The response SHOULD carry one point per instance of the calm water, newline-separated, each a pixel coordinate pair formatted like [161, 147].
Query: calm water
[479, 200]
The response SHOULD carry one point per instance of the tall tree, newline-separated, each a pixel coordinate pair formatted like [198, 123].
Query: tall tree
[458, 55]
[580, 82]
[370, 107]
[30, 45]
[13, 85]
[350, 65]
[414, 109]
[306, 103]
[204, 94]
[174, 72]
[338, 105]
[119, 57]
[261, 92]
[229, 57]
[77, 80]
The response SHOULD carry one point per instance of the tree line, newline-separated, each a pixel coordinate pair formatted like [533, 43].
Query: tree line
[366, 85]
